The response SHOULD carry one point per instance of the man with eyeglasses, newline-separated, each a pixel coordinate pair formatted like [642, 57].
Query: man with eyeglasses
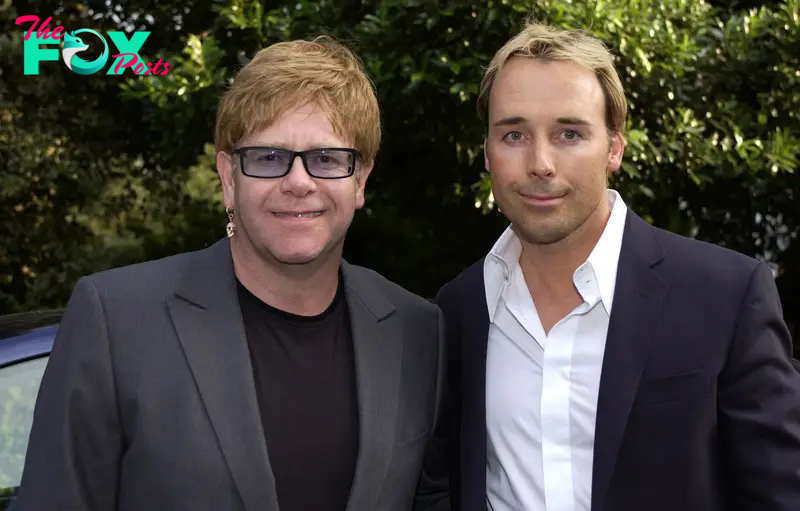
[264, 372]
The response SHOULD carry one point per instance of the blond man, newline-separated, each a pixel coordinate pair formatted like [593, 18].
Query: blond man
[264, 372]
[600, 363]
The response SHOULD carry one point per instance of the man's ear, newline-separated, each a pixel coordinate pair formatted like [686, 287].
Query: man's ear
[615, 151]
[225, 170]
[362, 174]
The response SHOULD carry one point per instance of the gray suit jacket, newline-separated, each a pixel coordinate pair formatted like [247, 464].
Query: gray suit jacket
[148, 401]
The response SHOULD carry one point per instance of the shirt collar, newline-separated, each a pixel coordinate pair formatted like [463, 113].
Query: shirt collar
[503, 258]
[604, 258]
[498, 265]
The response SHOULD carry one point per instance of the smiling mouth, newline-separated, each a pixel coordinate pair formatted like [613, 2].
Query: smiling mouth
[542, 198]
[302, 214]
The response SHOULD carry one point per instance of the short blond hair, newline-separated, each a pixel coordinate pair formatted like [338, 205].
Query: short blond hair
[554, 44]
[290, 73]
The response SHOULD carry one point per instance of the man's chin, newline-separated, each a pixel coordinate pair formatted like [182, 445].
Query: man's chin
[301, 255]
[541, 234]
[296, 259]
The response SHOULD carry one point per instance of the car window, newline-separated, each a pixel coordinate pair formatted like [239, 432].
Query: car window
[19, 386]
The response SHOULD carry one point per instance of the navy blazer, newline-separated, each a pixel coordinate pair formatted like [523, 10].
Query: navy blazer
[699, 403]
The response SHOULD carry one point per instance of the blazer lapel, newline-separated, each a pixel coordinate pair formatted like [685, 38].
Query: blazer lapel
[209, 325]
[637, 301]
[378, 348]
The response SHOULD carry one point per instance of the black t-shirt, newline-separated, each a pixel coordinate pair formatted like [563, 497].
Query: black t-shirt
[306, 389]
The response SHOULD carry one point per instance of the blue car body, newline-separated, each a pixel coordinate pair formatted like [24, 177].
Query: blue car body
[31, 344]
[24, 337]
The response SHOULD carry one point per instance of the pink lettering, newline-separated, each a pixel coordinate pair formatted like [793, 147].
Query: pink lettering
[125, 65]
[25, 19]
[141, 67]
[155, 69]
[42, 31]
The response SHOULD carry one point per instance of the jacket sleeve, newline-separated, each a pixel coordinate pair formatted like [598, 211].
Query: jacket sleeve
[76, 441]
[433, 490]
[759, 400]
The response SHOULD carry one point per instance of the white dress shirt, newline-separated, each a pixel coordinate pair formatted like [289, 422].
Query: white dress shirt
[541, 390]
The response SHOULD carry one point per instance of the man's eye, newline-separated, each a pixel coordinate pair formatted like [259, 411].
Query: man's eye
[571, 134]
[513, 136]
[269, 158]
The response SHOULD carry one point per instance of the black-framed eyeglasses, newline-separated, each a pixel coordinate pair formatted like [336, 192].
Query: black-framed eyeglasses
[274, 162]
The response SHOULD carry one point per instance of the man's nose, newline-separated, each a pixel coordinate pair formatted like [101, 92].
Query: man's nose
[298, 181]
[541, 160]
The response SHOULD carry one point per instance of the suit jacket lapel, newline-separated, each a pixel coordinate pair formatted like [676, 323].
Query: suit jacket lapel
[378, 348]
[209, 325]
[634, 318]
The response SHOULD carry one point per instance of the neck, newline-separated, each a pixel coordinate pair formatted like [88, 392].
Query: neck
[550, 268]
[303, 289]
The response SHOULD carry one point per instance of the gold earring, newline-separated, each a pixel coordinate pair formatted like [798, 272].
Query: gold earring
[230, 228]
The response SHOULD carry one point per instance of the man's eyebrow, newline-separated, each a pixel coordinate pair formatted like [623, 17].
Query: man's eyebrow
[513, 121]
[289, 146]
[575, 121]
[510, 121]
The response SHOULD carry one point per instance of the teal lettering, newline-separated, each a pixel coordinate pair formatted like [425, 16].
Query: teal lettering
[126, 46]
[34, 53]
